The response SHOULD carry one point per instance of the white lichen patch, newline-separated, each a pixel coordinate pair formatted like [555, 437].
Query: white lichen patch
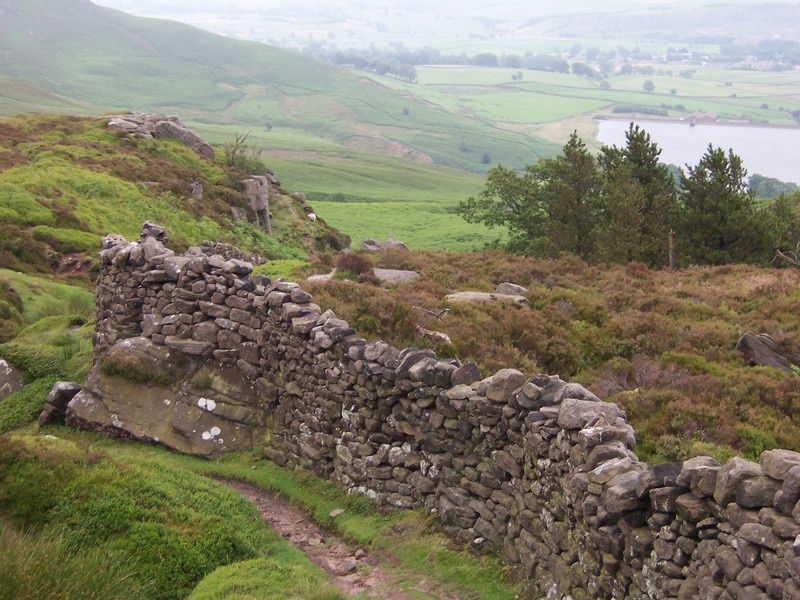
[207, 404]
[211, 434]
[116, 422]
[167, 402]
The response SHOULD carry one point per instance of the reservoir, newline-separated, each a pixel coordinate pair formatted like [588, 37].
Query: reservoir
[769, 151]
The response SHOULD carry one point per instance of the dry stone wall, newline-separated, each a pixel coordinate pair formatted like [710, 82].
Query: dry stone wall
[536, 469]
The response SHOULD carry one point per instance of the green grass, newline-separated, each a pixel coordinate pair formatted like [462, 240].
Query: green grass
[24, 406]
[417, 224]
[70, 574]
[166, 527]
[263, 579]
[46, 296]
[173, 533]
[490, 93]
[280, 268]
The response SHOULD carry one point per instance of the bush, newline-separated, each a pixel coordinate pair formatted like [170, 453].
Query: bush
[354, 263]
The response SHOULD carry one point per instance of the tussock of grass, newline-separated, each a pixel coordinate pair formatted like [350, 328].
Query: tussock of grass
[166, 527]
[280, 268]
[39, 567]
[24, 406]
[264, 579]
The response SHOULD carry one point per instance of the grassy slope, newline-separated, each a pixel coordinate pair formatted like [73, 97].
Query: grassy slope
[66, 182]
[160, 528]
[111, 59]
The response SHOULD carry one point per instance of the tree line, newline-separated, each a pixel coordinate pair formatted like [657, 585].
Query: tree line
[624, 205]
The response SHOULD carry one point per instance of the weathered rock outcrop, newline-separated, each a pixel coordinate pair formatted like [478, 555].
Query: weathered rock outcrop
[761, 349]
[150, 126]
[55, 405]
[256, 190]
[537, 469]
[10, 380]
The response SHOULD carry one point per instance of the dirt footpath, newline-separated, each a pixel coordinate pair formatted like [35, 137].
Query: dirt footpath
[352, 569]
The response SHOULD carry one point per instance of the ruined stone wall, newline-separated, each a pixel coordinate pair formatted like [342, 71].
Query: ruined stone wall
[536, 469]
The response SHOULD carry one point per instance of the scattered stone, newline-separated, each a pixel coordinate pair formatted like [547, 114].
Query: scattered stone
[376, 246]
[486, 297]
[395, 276]
[510, 289]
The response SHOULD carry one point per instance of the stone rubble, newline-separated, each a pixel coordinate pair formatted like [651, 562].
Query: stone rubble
[538, 470]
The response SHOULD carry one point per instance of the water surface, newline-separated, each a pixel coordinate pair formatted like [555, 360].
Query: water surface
[768, 151]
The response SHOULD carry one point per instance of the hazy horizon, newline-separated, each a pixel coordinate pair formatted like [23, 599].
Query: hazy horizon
[470, 25]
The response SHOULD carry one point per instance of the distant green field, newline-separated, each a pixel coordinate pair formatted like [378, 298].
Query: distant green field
[417, 224]
[490, 93]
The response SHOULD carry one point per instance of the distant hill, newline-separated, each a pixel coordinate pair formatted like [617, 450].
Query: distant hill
[109, 60]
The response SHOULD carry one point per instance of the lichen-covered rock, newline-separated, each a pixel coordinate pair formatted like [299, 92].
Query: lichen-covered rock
[10, 380]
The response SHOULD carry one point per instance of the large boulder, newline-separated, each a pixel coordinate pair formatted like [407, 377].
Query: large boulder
[189, 403]
[55, 406]
[761, 349]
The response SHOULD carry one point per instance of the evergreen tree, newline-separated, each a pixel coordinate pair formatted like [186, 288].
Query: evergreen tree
[636, 168]
[550, 208]
[572, 198]
[721, 223]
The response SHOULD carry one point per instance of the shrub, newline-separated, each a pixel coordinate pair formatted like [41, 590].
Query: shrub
[354, 263]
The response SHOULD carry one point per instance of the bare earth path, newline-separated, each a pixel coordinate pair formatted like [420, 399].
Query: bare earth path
[353, 570]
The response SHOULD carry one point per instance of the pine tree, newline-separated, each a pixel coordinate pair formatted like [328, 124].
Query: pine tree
[721, 223]
[636, 165]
